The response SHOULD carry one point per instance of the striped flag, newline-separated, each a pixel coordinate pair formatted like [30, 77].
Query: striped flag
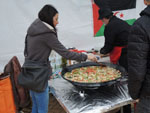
[124, 9]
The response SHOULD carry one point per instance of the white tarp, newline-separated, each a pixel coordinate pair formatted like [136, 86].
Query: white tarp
[75, 27]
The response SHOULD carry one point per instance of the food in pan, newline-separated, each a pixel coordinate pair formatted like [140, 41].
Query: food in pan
[93, 74]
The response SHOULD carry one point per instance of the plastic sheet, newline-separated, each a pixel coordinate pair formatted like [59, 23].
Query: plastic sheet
[75, 100]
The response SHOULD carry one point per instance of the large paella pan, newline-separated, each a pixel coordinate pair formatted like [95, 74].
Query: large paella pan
[93, 75]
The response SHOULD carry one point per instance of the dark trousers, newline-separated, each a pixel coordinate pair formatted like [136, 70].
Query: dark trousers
[123, 59]
[143, 106]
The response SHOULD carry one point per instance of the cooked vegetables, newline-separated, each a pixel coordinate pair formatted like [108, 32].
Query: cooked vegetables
[93, 74]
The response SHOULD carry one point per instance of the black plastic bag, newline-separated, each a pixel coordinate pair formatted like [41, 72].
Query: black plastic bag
[34, 75]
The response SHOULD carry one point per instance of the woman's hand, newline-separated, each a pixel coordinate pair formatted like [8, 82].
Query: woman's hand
[92, 57]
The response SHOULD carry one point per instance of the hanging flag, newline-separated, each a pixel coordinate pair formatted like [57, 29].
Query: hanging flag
[124, 9]
[121, 4]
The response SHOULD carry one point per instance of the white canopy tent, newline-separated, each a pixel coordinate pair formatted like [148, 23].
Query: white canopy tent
[75, 27]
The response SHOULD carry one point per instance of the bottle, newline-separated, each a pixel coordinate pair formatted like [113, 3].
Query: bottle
[64, 62]
[58, 61]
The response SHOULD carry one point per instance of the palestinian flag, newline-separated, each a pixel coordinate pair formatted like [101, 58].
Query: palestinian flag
[124, 9]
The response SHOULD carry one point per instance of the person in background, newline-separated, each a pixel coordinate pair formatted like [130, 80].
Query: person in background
[42, 39]
[116, 35]
[139, 60]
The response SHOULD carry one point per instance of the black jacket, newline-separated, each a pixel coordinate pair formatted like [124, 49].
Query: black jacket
[139, 56]
[116, 34]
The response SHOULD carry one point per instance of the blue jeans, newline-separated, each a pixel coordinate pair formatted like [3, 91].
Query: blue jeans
[40, 101]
